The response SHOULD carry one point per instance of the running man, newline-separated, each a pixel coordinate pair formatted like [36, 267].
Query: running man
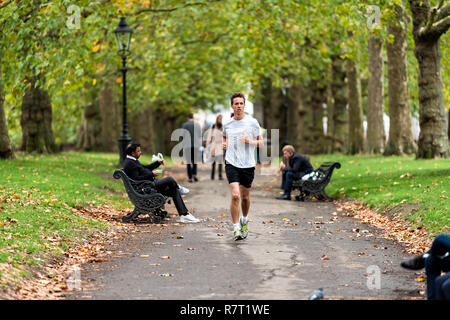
[241, 136]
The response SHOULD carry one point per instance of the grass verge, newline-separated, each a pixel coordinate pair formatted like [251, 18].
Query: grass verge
[418, 189]
[37, 197]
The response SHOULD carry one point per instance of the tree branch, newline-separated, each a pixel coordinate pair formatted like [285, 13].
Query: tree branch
[443, 12]
[4, 4]
[212, 41]
[440, 27]
[186, 5]
[425, 30]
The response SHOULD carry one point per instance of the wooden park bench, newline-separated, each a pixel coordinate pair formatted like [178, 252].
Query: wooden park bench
[145, 198]
[316, 184]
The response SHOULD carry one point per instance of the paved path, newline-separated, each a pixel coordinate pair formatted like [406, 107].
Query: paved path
[292, 248]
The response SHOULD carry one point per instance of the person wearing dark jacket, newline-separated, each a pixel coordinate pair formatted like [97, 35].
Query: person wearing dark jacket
[191, 149]
[297, 167]
[167, 186]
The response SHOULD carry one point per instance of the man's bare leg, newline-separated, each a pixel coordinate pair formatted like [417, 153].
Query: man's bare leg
[245, 200]
[235, 199]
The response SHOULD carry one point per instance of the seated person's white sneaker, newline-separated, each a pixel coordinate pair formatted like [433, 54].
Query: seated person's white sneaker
[183, 190]
[189, 218]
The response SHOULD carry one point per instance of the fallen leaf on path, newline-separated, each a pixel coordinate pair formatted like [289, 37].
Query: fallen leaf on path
[144, 256]
[158, 243]
[165, 257]
[324, 257]
[180, 237]
[420, 278]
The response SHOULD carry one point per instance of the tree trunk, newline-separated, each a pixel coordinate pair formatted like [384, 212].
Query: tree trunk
[298, 107]
[448, 125]
[141, 130]
[6, 150]
[340, 113]
[400, 139]
[258, 110]
[162, 124]
[36, 121]
[432, 119]
[433, 138]
[308, 134]
[316, 143]
[376, 136]
[355, 118]
[110, 118]
[329, 112]
[272, 102]
[89, 135]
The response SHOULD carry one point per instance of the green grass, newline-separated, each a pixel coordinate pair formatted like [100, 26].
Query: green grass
[37, 194]
[386, 183]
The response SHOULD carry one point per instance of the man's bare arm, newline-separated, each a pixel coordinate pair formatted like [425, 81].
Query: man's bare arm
[224, 142]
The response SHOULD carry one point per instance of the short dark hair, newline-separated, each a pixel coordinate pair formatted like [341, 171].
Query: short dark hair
[237, 95]
[190, 116]
[132, 147]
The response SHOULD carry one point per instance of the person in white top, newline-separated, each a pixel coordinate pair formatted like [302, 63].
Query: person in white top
[241, 136]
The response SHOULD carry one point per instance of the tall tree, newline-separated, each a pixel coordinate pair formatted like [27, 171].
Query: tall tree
[429, 24]
[376, 137]
[6, 150]
[355, 113]
[400, 139]
[315, 122]
[36, 120]
[340, 98]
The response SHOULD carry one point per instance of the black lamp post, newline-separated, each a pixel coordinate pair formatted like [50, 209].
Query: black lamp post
[284, 91]
[123, 36]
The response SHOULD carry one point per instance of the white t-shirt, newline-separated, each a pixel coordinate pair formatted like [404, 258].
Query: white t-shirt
[239, 153]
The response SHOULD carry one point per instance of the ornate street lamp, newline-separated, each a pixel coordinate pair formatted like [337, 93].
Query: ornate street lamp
[123, 36]
[284, 91]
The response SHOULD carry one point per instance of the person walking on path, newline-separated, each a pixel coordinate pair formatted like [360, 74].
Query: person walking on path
[214, 145]
[167, 186]
[191, 148]
[241, 135]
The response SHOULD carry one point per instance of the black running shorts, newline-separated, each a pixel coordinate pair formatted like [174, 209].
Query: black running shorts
[244, 176]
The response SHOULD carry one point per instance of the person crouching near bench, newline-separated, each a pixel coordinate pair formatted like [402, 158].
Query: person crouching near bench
[167, 186]
[298, 167]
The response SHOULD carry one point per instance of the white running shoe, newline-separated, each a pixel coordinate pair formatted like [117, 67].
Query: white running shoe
[183, 190]
[189, 218]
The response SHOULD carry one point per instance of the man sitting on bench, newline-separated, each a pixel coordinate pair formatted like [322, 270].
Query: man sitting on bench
[167, 186]
[298, 167]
